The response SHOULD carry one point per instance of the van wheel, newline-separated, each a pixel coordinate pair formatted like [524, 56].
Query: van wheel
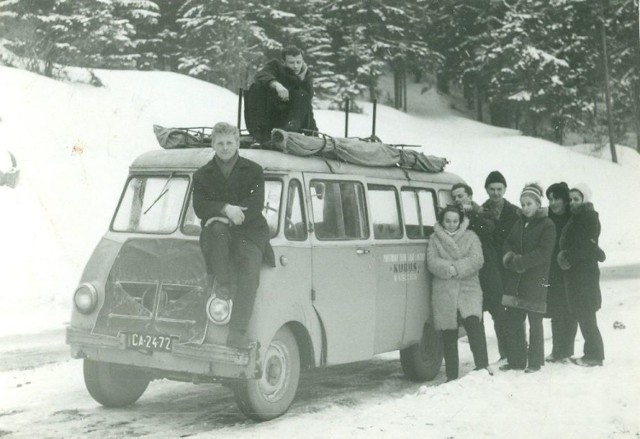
[422, 361]
[114, 385]
[271, 395]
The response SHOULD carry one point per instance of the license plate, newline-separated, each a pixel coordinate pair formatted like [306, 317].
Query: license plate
[140, 341]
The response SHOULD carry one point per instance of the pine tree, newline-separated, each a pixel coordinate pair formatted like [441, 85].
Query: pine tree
[82, 33]
[372, 35]
[144, 16]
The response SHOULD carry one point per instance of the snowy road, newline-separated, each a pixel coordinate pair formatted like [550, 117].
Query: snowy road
[44, 396]
[42, 393]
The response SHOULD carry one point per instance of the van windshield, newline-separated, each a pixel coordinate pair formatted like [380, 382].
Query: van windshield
[151, 204]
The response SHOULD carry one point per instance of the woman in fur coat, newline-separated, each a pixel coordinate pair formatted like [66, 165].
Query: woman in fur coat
[454, 257]
[527, 257]
[579, 256]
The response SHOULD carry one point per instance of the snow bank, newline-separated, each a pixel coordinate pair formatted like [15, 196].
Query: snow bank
[74, 143]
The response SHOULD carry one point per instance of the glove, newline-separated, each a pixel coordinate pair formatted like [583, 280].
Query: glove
[601, 256]
[507, 260]
[563, 262]
[517, 264]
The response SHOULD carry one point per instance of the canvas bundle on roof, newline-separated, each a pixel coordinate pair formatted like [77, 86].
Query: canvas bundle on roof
[357, 151]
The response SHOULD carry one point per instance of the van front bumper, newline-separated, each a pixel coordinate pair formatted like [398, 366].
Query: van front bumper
[212, 361]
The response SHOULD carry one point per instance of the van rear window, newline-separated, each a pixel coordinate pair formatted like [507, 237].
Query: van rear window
[419, 207]
[151, 204]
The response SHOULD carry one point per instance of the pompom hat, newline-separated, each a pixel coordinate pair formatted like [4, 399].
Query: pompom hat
[584, 190]
[533, 191]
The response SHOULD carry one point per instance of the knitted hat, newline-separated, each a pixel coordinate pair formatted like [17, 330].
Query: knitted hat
[495, 177]
[584, 190]
[533, 191]
[559, 190]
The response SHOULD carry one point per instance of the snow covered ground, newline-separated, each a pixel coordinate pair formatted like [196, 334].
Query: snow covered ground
[74, 143]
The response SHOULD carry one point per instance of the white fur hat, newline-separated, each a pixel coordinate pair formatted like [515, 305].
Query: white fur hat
[584, 190]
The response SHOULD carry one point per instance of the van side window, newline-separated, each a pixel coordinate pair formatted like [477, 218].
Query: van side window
[419, 207]
[385, 211]
[444, 198]
[271, 210]
[295, 222]
[339, 210]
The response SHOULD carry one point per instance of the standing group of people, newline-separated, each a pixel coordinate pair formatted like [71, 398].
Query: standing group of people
[519, 264]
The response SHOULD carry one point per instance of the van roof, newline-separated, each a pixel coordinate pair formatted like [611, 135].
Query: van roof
[193, 158]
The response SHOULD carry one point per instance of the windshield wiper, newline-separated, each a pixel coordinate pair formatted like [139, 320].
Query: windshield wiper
[164, 190]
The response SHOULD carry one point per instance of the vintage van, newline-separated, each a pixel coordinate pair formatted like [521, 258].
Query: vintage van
[350, 281]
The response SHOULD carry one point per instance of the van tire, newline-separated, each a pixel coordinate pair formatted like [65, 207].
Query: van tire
[114, 385]
[422, 361]
[271, 395]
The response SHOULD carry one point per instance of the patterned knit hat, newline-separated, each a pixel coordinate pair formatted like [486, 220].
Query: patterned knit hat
[533, 191]
[495, 177]
[584, 190]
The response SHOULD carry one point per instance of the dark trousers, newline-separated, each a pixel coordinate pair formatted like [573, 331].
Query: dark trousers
[500, 326]
[593, 345]
[235, 262]
[517, 353]
[563, 333]
[475, 332]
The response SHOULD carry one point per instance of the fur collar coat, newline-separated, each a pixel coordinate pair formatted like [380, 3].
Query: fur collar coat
[454, 290]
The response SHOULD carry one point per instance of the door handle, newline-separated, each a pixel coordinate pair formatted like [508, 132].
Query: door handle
[362, 251]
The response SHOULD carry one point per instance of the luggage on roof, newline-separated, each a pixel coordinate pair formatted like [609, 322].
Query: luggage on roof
[363, 152]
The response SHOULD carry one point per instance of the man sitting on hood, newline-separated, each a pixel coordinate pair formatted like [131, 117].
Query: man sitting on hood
[281, 97]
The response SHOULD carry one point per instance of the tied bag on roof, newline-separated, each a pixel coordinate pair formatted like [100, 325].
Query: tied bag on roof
[356, 151]
[174, 138]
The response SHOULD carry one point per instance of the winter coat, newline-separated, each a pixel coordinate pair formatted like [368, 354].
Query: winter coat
[462, 293]
[264, 110]
[244, 187]
[579, 252]
[557, 302]
[481, 224]
[527, 258]
[503, 224]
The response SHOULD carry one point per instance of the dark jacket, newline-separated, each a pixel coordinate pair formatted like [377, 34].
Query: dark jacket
[503, 224]
[557, 302]
[264, 110]
[481, 223]
[579, 249]
[244, 187]
[527, 257]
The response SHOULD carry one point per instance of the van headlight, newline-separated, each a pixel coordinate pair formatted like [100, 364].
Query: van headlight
[219, 310]
[86, 298]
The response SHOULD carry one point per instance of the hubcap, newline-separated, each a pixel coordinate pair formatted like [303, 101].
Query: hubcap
[275, 376]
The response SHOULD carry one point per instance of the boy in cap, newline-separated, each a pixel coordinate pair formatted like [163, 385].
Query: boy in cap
[504, 215]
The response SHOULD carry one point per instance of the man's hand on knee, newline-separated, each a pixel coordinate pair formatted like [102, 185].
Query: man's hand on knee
[220, 219]
[235, 213]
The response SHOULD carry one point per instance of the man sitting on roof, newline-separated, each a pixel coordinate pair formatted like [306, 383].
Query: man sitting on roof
[228, 197]
[281, 97]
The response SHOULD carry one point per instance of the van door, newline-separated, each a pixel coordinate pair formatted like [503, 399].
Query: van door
[343, 270]
[394, 269]
[419, 212]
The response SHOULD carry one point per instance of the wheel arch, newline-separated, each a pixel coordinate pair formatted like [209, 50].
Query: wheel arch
[305, 344]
